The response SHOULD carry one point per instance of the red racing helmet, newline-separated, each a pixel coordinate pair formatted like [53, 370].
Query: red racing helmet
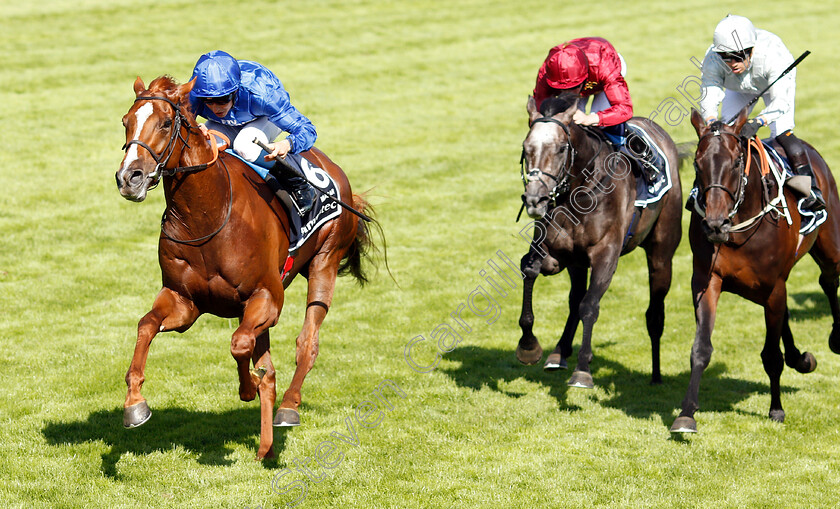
[567, 68]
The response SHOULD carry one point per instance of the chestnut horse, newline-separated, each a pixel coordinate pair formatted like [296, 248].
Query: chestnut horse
[582, 195]
[731, 245]
[222, 250]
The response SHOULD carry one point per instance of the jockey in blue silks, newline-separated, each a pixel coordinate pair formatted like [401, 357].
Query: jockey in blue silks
[233, 94]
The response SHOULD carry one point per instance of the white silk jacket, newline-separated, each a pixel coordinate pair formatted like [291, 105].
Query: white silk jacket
[769, 59]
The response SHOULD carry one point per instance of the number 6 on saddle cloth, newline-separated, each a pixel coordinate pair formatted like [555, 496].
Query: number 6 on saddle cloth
[302, 226]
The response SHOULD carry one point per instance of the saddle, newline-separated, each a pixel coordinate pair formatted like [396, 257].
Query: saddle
[301, 226]
[652, 165]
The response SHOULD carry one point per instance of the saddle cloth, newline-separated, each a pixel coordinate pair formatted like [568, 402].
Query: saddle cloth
[302, 227]
[650, 192]
[810, 220]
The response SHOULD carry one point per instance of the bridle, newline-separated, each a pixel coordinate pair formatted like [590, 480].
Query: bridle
[162, 161]
[563, 181]
[162, 171]
[738, 195]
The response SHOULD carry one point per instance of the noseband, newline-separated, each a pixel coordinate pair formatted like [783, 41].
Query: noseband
[161, 160]
[738, 195]
[562, 181]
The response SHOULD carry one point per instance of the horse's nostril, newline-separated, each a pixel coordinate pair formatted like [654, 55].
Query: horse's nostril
[136, 177]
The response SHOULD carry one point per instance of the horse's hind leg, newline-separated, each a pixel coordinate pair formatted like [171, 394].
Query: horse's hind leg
[170, 311]
[590, 306]
[563, 350]
[829, 283]
[250, 341]
[659, 279]
[802, 362]
[263, 377]
[323, 270]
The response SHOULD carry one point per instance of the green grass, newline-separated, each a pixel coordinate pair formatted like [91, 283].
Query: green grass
[424, 102]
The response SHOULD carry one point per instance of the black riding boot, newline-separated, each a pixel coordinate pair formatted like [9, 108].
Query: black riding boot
[801, 166]
[302, 191]
[649, 161]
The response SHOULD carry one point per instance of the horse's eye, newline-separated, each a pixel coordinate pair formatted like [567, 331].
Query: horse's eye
[167, 123]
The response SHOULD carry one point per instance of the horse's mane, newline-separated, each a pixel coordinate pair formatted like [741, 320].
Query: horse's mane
[167, 86]
[558, 103]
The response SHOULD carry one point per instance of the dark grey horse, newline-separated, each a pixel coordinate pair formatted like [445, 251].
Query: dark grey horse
[581, 194]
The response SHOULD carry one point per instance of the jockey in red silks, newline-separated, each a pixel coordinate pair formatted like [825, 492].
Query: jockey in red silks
[591, 67]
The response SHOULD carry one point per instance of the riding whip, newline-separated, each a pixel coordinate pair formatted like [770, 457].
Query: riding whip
[790, 68]
[297, 173]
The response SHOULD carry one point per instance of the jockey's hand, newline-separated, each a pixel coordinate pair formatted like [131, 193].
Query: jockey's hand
[279, 149]
[204, 130]
[751, 127]
[581, 118]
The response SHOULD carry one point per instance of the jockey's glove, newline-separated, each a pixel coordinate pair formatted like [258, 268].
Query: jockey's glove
[750, 128]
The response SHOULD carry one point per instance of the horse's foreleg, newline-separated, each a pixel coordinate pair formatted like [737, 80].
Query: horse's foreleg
[659, 279]
[771, 355]
[264, 378]
[563, 350]
[590, 307]
[706, 292]
[170, 311]
[802, 362]
[528, 351]
[323, 271]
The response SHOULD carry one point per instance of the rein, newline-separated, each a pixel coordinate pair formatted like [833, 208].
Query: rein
[161, 170]
[562, 181]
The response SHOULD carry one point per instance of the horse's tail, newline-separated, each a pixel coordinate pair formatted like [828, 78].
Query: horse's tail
[685, 152]
[363, 249]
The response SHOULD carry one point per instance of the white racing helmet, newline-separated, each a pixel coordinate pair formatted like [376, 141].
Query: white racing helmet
[734, 34]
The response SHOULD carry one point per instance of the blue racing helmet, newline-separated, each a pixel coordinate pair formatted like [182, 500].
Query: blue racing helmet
[217, 74]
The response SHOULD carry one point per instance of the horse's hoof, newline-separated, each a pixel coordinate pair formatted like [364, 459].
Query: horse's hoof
[777, 415]
[555, 361]
[286, 417]
[684, 424]
[582, 380]
[136, 415]
[807, 363]
[529, 357]
[834, 340]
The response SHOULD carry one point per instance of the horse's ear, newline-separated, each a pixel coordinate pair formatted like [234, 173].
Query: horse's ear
[698, 122]
[139, 87]
[741, 120]
[185, 89]
[573, 107]
[533, 112]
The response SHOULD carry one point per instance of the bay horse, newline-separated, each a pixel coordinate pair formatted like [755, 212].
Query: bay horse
[581, 195]
[730, 247]
[223, 250]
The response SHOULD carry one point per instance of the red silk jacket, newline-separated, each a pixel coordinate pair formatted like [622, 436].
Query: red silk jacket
[604, 76]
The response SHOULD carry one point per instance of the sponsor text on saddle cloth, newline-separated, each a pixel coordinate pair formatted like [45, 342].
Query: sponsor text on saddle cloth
[650, 192]
[782, 172]
[324, 209]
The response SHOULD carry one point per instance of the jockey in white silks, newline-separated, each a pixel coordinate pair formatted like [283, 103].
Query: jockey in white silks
[741, 63]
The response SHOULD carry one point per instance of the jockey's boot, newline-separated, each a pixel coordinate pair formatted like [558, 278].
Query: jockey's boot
[795, 151]
[302, 191]
[815, 200]
[649, 161]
